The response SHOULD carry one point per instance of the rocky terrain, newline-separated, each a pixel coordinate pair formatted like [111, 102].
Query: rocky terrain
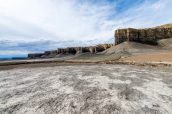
[128, 43]
[86, 89]
[70, 51]
[147, 35]
[91, 80]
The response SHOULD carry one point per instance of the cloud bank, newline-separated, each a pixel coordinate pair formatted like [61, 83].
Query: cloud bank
[37, 25]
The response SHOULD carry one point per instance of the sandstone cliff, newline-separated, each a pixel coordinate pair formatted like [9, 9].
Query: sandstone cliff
[147, 35]
[70, 51]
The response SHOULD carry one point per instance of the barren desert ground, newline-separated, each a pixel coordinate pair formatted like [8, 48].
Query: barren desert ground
[153, 57]
[86, 89]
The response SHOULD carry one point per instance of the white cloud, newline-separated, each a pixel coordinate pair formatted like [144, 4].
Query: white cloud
[147, 15]
[63, 19]
[71, 20]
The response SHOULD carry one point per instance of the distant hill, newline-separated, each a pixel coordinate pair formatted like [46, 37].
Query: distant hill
[19, 58]
[13, 58]
[5, 59]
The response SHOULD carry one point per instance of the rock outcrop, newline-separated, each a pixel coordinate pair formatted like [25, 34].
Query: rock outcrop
[148, 35]
[70, 51]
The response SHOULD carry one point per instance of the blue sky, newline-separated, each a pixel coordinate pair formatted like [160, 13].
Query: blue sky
[28, 26]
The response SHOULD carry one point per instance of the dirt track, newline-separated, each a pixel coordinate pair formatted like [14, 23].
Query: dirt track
[86, 89]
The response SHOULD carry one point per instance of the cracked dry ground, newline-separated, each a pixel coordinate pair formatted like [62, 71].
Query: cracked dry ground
[86, 89]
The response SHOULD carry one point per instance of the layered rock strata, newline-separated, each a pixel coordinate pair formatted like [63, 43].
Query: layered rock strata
[70, 51]
[148, 35]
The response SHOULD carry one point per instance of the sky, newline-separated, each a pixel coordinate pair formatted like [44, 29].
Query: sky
[29, 26]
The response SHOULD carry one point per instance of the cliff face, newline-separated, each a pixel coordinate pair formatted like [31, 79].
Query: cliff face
[70, 51]
[148, 35]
